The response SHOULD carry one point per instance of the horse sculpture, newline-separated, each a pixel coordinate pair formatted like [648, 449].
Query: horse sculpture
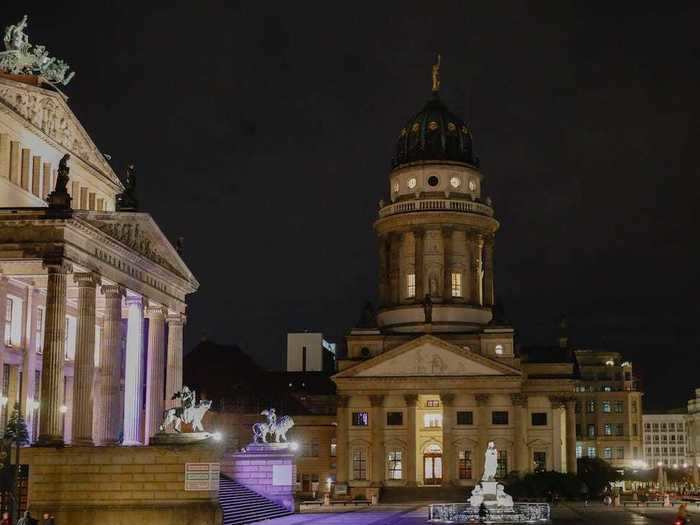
[191, 413]
[277, 427]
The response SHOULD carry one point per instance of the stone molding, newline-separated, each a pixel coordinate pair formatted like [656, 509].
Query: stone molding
[482, 399]
[342, 401]
[519, 399]
[447, 399]
[113, 290]
[176, 319]
[410, 399]
[376, 400]
[87, 279]
[156, 312]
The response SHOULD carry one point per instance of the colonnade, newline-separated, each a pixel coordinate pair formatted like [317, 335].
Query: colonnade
[465, 252]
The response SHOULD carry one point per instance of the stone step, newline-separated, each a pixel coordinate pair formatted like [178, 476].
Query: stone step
[240, 505]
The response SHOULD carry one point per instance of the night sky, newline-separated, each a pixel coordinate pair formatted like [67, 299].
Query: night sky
[262, 132]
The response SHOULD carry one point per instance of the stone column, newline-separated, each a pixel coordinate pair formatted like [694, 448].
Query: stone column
[377, 402]
[556, 404]
[173, 374]
[84, 358]
[394, 270]
[484, 422]
[341, 439]
[133, 380]
[447, 265]
[411, 441]
[449, 461]
[419, 236]
[571, 463]
[522, 460]
[155, 370]
[489, 290]
[30, 357]
[109, 365]
[67, 409]
[3, 308]
[475, 244]
[54, 353]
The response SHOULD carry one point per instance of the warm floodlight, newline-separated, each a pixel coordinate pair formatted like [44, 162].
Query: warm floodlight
[218, 436]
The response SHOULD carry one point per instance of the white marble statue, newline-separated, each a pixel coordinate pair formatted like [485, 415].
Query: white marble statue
[191, 412]
[503, 499]
[277, 427]
[490, 463]
[477, 497]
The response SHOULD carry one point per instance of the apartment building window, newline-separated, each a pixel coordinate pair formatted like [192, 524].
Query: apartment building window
[360, 419]
[539, 419]
[607, 453]
[591, 452]
[671, 427]
[619, 429]
[539, 459]
[394, 418]
[465, 464]
[456, 284]
[608, 429]
[591, 430]
[606, 406]
[647, 427]
[411, 285]
[499, 417]
[590, 406]
[465, 418]
[619, 407]
[359, 464]
[395, 465]
[620, 452]
[579, 451]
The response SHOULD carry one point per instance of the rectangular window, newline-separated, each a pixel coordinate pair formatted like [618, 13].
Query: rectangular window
[620, 452]
[634, 429]
[8, 321]
[539, 419]
[502, 465]
[359, 464]
[465, 418]
[411, 285]
[539, 460]
[579, 451]
[360, 419]
[619, 407]
[395, 465]
[671, 427]
[591, 452]
[499, 417]
[634, 406]
[334, 447]
[607, 453]
[456, 284]
[590, 406]
[607, 429]
[432, 403]
[619, 429]
[39, 331]
[432, 420]
[13, 321]
[394, 418]
[71, 332]
[465, 464]
[591, 430]
[606, 406]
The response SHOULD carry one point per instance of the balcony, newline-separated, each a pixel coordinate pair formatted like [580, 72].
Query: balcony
[454, 205]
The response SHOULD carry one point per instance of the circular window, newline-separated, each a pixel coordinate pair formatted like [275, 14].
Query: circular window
[433, 180]
[396, 187]
[472, 185]
[455, 182]
[365, 352]
[412, 183]
[499, 349]
[433, 126]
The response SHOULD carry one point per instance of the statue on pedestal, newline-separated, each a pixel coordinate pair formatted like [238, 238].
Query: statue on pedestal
[59, 197]
[190, 412]
[490, 462]
[277, 427]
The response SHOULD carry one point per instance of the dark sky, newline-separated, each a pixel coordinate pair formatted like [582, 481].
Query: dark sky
[263, 131]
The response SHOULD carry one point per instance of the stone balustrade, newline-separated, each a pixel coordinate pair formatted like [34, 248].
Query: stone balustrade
[457, 205]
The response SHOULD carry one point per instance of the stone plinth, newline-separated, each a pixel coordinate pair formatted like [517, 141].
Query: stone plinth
[266, 468]
[120, 485]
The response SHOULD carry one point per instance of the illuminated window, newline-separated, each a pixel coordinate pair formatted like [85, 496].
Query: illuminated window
[359, 464]
[591, 452]
[619, 407]
[13, 321]
[502, 465]
[591, 430]
[539, 459]
[39, 331]
[499, 349]
[607, 453]
[456, 285]
[333, 447]
[395, 465]
[360, 419]
[590, 406]
[579, 451]
[465, 464]
[433, 403]
[396, 187]
[606, 406]
[8, 321]
[71, 327]
[432, 420]
[411, 285]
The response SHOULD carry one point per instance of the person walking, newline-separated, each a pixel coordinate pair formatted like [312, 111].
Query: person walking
[26, 519]
[5, 519]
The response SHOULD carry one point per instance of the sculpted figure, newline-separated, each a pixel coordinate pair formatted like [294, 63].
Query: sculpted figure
[503, 499]
[127, 199]
[490, 462]
[428, 309]
[62, 176]
[190, 412]
[15, 38]
[277, 427]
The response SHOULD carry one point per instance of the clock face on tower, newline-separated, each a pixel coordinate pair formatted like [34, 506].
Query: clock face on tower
[412, 183]
[455, 182]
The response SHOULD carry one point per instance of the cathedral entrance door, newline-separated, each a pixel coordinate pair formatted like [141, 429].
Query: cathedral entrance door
[432, 465]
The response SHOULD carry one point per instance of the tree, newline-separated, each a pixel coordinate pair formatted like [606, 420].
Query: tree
[597, 474]
[15, 435]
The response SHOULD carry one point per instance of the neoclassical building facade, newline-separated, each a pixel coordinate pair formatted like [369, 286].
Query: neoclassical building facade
[93, 297]
[423, 390]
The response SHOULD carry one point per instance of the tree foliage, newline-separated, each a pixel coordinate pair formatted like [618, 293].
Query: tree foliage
[16, 429]
[597, 474]
[543, 485]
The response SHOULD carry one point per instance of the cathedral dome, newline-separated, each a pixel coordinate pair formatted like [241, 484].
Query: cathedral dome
[435, 134]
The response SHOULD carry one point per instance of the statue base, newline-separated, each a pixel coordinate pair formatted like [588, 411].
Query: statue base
[59, 200]
[179, 438]
[267, 448]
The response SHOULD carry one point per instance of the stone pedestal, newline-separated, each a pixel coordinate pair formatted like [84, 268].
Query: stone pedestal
[114, 485]
[266, 468]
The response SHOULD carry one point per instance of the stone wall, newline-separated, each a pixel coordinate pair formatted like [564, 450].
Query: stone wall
[120, 485]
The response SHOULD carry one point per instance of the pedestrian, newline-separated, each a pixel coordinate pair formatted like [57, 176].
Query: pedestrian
[26, 519]
[5, 519]
[48, 519]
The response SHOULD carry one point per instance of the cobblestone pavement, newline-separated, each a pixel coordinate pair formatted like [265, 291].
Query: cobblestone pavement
[564, 514]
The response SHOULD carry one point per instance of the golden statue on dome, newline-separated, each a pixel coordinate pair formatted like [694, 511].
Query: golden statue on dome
[436, 75]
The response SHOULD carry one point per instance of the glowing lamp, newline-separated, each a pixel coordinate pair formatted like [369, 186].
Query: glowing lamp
[659, 464]
[294, 445]
[218, 436]
[3, 401]
[35, 404]
[63, 409]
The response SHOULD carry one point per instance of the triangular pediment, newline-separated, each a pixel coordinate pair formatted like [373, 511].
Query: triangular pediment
[429, 356]
[47, 112]
[140, 233]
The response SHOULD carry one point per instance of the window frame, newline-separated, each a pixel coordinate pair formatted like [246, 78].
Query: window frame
[357, 422]
[498, 414]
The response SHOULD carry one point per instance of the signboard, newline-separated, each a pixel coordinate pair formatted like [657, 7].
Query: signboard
[202, 476]
[341, 489]
[281, 475]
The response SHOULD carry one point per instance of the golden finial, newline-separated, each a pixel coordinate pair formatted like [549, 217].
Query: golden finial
[436, 75]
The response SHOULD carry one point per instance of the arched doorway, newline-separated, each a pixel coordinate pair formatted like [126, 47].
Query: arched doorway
[432, 465]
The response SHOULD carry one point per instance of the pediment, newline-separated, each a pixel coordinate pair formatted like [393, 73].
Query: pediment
[48, 112]
[429, 356]
[140, 233]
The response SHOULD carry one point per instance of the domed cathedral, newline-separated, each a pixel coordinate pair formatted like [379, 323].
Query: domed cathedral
[426, 385]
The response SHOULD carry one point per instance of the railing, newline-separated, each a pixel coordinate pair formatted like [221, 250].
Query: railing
[465, 513]
[462, 206]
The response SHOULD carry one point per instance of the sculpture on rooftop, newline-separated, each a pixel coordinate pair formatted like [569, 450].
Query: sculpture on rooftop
[127, 200]
[21, 58]
[277, 427]
[59, 199]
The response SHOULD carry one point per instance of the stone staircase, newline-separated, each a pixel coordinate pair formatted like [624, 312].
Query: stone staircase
[241, 505]
[424, 494]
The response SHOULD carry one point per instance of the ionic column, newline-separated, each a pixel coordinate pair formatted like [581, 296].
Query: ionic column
[447, 265]
[29, 362]
[571, 464]
[68, 419]
[133, 380]
[411, 452]
[489, 294]
[109, 364]
[377, 403]
[482, 402]
[449, 462]
[54, 353]
[419, 236]
[84, 358]
[522, 461]
[155, 368]
[173, 373]
[341, 439]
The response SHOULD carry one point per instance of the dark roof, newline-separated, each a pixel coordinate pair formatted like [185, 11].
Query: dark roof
[435, 134]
